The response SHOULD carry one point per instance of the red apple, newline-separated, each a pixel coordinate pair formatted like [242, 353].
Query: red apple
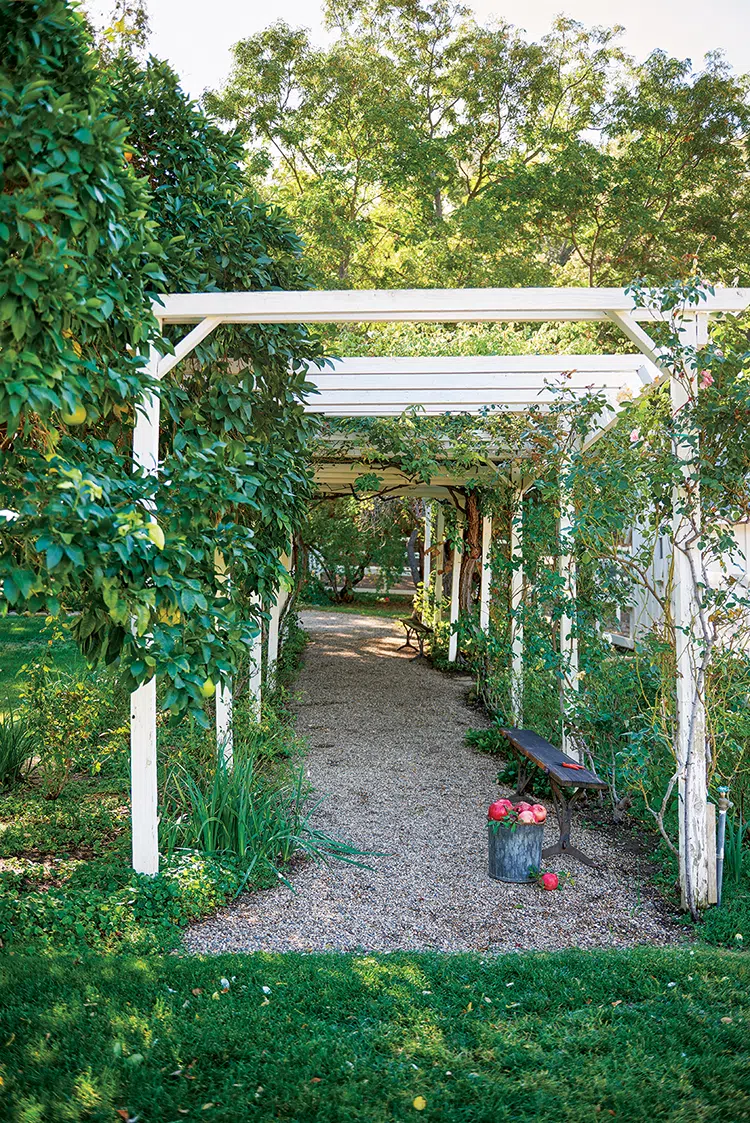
[549, 881]
[499, 809]
[539, 812]
[526, 817]
[523, 806]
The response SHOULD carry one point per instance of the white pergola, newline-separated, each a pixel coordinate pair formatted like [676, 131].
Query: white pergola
[355, 387]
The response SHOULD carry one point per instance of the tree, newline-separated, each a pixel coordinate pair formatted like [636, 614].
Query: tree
[346, 536]
[78, 265]
[422, 148]
[83, 240]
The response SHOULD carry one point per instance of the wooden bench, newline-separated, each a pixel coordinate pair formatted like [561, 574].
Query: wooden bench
[419, 631]
[567, 779]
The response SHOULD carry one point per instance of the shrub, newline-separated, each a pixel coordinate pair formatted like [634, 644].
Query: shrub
[79, 722]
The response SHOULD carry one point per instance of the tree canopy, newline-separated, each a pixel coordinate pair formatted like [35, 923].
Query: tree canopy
[115, 185]
[423, 148]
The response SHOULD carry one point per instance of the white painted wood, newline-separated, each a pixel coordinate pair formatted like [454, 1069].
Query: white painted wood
[455, 584]
[143, 774]
[144, 795]
[418, 305]
[426, 566]
[516, 601]
[188, 344]
[568, 638]
[485, 577]
[255, 675]
[439, 563]
[277, 607]
[224, 699]
[690, 748]
[225, 724]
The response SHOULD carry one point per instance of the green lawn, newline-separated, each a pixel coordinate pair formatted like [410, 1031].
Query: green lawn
[22, 639]
[641, 1035]
[367, 604]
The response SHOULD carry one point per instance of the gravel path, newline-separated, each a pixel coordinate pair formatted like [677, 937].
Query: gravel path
[386, 739]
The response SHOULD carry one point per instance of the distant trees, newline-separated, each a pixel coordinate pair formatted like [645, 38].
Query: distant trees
[423, 148]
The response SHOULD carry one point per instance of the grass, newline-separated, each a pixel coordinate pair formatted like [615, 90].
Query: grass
[22, 639]
[367, 604]
[574, 1036]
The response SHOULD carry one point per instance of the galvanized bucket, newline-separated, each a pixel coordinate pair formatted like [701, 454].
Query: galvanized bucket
[514, 853]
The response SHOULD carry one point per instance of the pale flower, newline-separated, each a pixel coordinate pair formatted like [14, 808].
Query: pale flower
[707, 379]
[635, 436]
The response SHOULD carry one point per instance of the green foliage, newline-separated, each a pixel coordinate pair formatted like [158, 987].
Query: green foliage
[79, 722]
[420, 147]
[81, 822]
[346, 536]
[647, 1034]
[16, 749]
[150, 171]
[105, 907]
[242, 812]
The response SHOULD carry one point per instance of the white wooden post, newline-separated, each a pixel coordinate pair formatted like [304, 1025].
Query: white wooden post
[690, 748]
[485, 577]
[277, 608]
[439, 563]
[224, 699]
[255, 677]
[426, 567]
[568, 639]
[455, 585]
[143, 777]
[516, 603]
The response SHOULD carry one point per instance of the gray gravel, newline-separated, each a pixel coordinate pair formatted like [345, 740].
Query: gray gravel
[386, 739]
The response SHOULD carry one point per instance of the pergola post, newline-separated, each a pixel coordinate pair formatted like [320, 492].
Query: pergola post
[568, 636]
[485, 577]
[255, 674]
[427, 558]
[516, 602]
[144, 794]
[690, 747]
[224, 699]
[439, 563]
[277, 607]
[455, 586]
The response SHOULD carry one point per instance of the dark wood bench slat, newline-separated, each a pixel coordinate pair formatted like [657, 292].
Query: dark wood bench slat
[551, 759]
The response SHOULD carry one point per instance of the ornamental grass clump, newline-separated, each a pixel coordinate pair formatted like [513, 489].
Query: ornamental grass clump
[246, 812]
[16, 750]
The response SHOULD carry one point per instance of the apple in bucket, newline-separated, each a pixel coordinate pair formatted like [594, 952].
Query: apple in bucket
[539, 811]
[526, 816]
[499, 809]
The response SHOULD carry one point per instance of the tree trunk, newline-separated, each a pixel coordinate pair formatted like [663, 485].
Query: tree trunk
[472, 553]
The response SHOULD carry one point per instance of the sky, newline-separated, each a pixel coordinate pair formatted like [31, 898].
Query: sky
[196, 35]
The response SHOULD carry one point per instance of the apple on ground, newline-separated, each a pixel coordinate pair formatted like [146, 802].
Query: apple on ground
[539, 811]
[549, 881]
[526, 817]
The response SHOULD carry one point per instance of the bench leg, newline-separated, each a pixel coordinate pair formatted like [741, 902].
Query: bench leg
[563, 810]
[408, 644]
[524, 777]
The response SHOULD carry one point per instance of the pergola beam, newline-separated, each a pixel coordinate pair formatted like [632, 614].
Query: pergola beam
[420, 305]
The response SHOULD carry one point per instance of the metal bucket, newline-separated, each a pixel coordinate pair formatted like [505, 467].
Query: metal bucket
[514, 853]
